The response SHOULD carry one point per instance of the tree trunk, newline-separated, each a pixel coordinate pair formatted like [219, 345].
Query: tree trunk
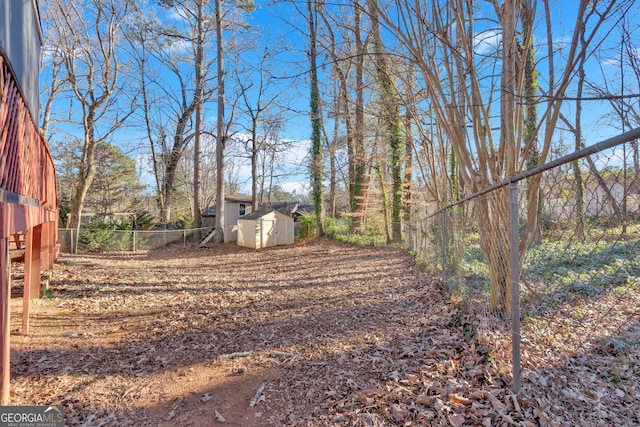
[254, 164]
[534, 193]
[359, 178]
[86, 173]
[218, 236]
[391, 122]
[494, 222]
[493, 226]
[332, 167]
[197, 150]
[316, 122]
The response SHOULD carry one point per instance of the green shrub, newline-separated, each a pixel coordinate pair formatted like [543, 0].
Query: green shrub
[307, 226]
[101, 235]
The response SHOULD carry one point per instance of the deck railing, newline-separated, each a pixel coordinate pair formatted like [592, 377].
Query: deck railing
[28, 204]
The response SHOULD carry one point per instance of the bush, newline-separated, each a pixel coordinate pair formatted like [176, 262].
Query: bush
[307, 226]
[101, 235]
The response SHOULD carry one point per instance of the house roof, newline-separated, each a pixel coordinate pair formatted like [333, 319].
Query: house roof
[256, 214]
[284, 207]
[305, 209]
[237, 198]
[229, 198]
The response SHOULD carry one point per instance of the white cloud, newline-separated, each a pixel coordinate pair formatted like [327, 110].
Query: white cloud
[615, 61]
[297, 152]
[612, 158]
[610, 62]
[487, 41]
[561, 42]
[299, 187]
[179, 46]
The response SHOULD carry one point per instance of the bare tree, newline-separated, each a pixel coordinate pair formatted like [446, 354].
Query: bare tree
[87, 36]
[620, 91]
[344, 44]
[258, 87]
[166, 45]
[462, 89]
[221, 126]
[390, 117]
[56, 86]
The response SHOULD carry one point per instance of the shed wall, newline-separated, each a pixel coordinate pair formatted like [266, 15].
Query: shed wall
[272, 229]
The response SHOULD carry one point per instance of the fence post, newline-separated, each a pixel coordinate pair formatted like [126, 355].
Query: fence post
[444, 246]
[514, 266]
[134, 240]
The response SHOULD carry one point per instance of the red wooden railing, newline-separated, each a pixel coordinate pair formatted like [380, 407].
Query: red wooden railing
[28, 203]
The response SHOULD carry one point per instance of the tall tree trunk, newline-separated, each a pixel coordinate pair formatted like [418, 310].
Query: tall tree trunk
[331, 149]
[391, 121]
[408, 171]
[86, 173]
[359, 179]
[493, 209]
[254, 164]
[534, 193]
[579, 144]
[218, 236]
[316, 121]
[408, 146]
[197, 150]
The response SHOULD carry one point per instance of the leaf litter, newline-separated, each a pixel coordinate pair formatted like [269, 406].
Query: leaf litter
[319, 333]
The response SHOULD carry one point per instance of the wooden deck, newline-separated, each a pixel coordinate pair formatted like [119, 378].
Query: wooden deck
[28, 207]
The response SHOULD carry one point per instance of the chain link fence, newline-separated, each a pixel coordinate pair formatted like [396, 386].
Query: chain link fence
[554, 298]
[124, 240]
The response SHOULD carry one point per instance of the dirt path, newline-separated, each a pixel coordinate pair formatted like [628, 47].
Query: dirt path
[334, 334]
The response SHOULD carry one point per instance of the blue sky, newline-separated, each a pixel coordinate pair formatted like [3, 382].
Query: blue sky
[281, 23]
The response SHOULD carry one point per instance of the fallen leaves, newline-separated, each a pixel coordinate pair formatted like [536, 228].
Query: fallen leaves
[357, 336]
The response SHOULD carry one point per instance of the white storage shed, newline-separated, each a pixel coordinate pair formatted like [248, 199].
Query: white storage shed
[263, 229]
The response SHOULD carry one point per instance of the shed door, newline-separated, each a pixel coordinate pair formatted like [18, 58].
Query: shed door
[277, 232]
[268, 233]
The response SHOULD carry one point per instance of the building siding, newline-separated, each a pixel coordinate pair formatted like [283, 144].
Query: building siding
[20, 42]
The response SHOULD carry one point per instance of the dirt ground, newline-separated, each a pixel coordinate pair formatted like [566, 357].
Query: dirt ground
[188, 336]
[319, 333]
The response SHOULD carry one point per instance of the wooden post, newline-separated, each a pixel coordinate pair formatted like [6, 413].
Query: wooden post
[34, 279]
[33, 242]
[26, 288]
[5, 318]
[46, 247]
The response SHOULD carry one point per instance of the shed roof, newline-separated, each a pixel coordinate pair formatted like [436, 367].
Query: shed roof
[284, 207]
[256, 214]
[259, 214]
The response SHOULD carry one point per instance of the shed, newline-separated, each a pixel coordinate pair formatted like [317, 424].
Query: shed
[263, 229]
